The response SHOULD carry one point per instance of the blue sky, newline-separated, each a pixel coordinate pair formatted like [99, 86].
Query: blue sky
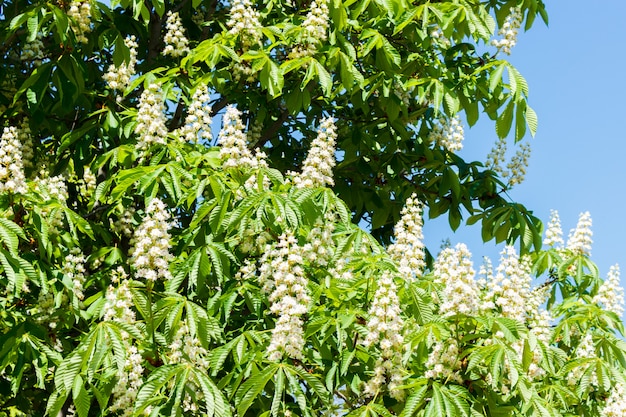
[575, 68]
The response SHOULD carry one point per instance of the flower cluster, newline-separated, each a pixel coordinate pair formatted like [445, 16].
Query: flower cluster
[444, 362]
[52, 187]
[74, 270]
[403, 94]
[80, 18]
[186, 346]
[616, 403]
[255, 131]
[33, 51]
[315, 25]
[123, 225]
[439, 38]
[318, 166]
[314, 30]
[539, 322]
[579, 240]
[234, 150]
[448, 134]
[245, 23]
[26, 140]
[198, 120]
[319, 248]
[539, 319]
[119, 299]
[118, 78]
[242, 70]
[44, 312]
[385, 326]
[496, 157]
[518, 165]
[611, 293]
[282, 276]
[586, 350]
[554, 233]
[509, 289]
[12, 177]
[129, 380]
[408, 249]
[87, 185]
[151, 118]
[454, 271]
[509, 31]
[151, 252]
[176, 43]
[516, 168]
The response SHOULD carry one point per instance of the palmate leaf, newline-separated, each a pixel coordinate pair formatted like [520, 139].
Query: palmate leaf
[253, 387]
[416, 399]
[150, 392]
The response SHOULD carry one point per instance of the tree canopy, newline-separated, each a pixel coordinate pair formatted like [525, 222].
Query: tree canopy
[388, 71]
[181, 188]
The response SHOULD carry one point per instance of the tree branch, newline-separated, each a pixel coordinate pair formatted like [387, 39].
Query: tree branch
[272, 130]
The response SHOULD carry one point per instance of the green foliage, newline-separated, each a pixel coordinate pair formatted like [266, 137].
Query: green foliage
[261, 296]
[380, 72]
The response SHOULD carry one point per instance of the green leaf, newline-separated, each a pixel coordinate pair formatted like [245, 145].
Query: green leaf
[531, 119]
[504, 121]
[253, 387]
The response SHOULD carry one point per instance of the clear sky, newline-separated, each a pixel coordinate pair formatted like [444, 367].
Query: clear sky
[576, 71]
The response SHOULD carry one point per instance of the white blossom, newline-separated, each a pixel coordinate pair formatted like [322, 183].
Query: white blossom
[318, 166]
[118, 78]
[119, 299]
[509, 31]
[244, 22]
[282, 275]
[87, 185]
[320, 245]
[232, 139]
[80, 19]
[436, 34]
[255, 131]
[52, 188]
[408, 248]
[124, 224]
[515, 169]
[496, 157]
[74, 270]
[12, 177]
[444, 362]
[151, 255]
[26, 140]
[448, 134]
[45, 309]
[615, 405]
[129, 380]
[385, 330]
[198, 120]
[509, 290]
[176, 43]
[554, 233]
[151, 120]
[518, 165]
[611, 293]
[33, 51]
[586, 349]
[314, 30]
[454, 271]
[579, 240]
[186, 346]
